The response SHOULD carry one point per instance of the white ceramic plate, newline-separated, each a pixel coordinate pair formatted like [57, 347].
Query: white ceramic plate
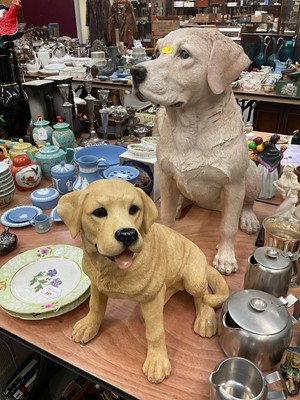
[43, 279]
[55, 67]
[21, 211]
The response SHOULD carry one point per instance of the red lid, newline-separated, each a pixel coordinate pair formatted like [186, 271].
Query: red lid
[21, 160]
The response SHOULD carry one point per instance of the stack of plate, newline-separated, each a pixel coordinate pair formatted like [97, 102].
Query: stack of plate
[43, 282]
[7, 186]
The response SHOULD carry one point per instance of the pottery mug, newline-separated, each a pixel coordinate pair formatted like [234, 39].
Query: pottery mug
[42, 223]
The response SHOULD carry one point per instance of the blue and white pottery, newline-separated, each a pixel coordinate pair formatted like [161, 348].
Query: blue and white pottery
[63, 177]
[111, 153]
[45, 198]
[90, 170]
[124, 172]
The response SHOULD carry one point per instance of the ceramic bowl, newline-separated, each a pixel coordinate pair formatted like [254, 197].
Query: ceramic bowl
[141, 151]
[6, 180]
[7, 191]
[4, 200]
[111, 153]
[150, 140]
[5, 188]
[124, 172]
[4, 169]
[45, 198]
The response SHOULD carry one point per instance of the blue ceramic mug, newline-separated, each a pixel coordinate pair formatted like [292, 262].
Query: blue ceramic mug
[42, 223]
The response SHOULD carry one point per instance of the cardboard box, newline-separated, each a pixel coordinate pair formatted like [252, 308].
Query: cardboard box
[259, 16]
[288, 89]
[162, 27]
[149, 173]
[204, 18]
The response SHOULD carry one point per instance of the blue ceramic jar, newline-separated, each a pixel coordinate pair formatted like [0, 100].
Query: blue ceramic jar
[63, 177]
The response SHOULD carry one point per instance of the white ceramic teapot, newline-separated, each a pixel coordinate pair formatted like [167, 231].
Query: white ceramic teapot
[33, 65]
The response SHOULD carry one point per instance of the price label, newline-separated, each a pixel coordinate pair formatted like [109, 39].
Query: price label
[42, 134]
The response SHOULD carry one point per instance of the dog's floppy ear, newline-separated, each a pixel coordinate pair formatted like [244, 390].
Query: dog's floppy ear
[69, 209]
[227, 61]
[150, 211]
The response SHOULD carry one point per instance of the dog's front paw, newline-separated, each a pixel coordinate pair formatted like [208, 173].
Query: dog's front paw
[156, 367]
[224, 264]
[206, 324]
[85, 329]
[248, 221]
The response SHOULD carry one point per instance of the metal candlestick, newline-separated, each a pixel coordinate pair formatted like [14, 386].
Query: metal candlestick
[104, 111]
[67, 106]
[93, 139]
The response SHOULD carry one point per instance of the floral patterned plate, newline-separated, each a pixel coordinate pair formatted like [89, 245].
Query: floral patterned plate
[43, 278]
[52, 312]
[24, 214]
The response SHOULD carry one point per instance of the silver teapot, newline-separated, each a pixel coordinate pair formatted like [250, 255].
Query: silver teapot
[270, 269]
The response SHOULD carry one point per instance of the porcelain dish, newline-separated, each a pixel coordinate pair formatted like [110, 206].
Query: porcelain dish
[43, 279]
[21, 213]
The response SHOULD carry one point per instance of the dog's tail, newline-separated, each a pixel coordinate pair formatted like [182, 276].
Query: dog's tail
[218, 286]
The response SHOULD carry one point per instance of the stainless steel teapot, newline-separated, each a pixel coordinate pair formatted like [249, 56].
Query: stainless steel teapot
[270, 270]
[257, 326]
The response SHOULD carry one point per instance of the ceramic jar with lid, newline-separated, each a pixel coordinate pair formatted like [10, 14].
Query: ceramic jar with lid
[45, 198]
[22, 147]
[50, 155]
[63, 136]
[63, 177]
[42, 131]
[27, 174]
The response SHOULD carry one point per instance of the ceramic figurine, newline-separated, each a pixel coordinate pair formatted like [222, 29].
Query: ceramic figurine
[288, 186]
[268, 158]
[27, 173]
[291, 370]
[63, 136]
[50, 155]
[42, 131]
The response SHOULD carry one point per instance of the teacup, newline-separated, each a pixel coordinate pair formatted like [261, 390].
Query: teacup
[42, 223]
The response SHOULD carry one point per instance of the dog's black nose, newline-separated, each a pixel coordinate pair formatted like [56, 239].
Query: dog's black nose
[126, 235]
[138, 73]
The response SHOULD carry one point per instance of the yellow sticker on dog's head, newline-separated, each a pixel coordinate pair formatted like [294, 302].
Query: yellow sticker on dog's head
[167, 49]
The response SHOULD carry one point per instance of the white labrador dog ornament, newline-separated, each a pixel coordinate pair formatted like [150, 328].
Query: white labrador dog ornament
[202, 151]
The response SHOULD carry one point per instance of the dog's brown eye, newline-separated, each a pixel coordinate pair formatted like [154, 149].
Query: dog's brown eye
[184, 54]
[133, 209]
[100, 212]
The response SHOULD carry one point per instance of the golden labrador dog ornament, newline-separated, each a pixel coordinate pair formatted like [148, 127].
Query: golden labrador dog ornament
[129, 256]
[202, 151]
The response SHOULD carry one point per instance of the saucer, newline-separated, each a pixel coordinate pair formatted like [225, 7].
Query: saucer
[55, 216]
[22, 215]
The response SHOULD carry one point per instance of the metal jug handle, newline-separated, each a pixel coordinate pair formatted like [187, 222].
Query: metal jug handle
[289, 301]
[278, 395]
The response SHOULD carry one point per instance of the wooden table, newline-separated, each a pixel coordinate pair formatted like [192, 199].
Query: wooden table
[260, 95]
[114, 358]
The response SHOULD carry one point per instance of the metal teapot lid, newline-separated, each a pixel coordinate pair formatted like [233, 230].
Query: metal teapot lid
[272, 258]
[258, 312]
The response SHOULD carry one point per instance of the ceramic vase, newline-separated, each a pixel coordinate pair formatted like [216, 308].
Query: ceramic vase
[63, 136]
[42, 131]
